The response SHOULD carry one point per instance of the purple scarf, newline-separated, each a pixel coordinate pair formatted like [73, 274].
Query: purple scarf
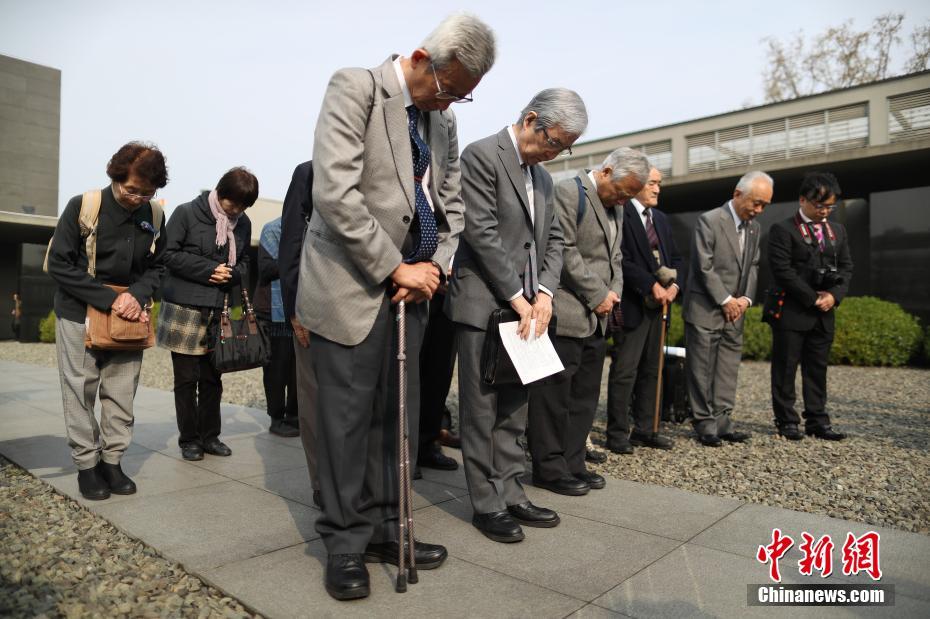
[224, 227]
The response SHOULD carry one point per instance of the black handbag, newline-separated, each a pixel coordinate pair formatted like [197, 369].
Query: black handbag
[496, 367]
[239, 344]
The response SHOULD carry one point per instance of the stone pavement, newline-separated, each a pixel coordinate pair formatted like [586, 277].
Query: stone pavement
[245, 525]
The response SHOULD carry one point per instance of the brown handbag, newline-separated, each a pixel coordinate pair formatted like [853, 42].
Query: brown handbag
[104, 330]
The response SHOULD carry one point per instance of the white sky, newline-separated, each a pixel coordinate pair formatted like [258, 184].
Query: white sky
[222, 83]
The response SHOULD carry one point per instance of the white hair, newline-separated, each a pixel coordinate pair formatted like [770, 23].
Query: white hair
[625, 161]
[465, 38]
[558, 106]
[745, 182]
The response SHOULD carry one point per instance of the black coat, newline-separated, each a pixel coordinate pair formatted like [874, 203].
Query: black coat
[294, 217]
[793, 262]
[639, 264]
[192, 255]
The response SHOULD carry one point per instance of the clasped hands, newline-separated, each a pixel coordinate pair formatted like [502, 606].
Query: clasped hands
[415, 283]
[221, 274]
[825, 301]
[127, 307]
[734, 309]
[540, 310]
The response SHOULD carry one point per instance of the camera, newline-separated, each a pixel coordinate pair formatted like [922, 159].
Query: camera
[824, 278]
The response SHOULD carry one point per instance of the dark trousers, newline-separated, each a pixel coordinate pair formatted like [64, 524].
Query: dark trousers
[634, 373]
[198, 390]
[437, 363]
[280, 378]
[810, 349]
[562, 408]
[357, 429]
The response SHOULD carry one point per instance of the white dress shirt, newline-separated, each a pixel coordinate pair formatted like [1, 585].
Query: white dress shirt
[421, 128]
[741, 234]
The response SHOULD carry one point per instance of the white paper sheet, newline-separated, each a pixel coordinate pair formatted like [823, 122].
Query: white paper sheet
[534, 357]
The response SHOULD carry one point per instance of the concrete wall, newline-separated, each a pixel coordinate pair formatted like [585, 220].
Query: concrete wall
[30, 113]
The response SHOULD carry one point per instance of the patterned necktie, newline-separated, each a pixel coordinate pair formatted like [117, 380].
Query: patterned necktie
[423, 229]
[818, 232]
[651, 231]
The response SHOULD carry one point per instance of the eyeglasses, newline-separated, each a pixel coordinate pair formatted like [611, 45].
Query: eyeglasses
[829, 207]
[564, 151]
[444, 95]
[136, 196]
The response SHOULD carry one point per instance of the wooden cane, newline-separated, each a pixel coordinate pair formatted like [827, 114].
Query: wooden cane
[655, 419]
[405, 573]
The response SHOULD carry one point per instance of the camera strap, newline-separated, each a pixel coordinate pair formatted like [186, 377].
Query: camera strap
[806, 229]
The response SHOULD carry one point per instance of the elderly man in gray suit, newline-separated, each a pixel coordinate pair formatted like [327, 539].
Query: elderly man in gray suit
[387, 213]
[562, 407]
[721, 286]
[510, 257]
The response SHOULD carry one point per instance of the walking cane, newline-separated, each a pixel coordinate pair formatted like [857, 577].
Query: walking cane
[655, 419]
[405, 502]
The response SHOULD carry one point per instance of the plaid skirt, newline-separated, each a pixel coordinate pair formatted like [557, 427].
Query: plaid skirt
[183, 329]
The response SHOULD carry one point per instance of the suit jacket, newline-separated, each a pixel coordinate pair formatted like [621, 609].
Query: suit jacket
[363, 200]
[793, 263]
[294, 215]
[717, 270]
[490, 261]
[590, 261]
[639, 264]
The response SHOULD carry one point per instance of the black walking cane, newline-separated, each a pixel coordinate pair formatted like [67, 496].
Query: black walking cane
[655, 419]
[405, 502]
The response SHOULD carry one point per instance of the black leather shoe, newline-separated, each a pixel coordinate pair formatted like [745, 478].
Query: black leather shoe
[594, 481]
[827, 434]
[92, 485]
[736, 437]
[595, 456]
[791, 432]
[347, 577]
[498, 526]
[710, 440]
[532, 516]
[283, 428]
[432, 458]
[216, 447]
[648, 439]
[428, 556]
[116, 479]
[192, 451]
[620, 447]
[570, 486]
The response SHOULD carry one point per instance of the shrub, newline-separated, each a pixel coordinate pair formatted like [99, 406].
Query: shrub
[870, 331]
[757, 335]
[676, 330]
[47, 328]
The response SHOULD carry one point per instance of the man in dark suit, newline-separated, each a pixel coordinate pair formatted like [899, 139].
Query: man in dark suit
[387, 213]
[510, 256]
[634, 370]
[811, 268]
[721, 286]
[562, 407]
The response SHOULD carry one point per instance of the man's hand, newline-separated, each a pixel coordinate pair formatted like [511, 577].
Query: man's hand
[408, 296]
[607, 304]
[522, 307]
[671, 293]
[731, 310]
[825, 301]
[221, 274]
[126, 307]
[743, 304]
[422, 277]
[658, 293]
[542, 312]
[302, 335]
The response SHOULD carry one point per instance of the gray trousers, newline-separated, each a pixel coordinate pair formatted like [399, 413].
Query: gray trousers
[306, 407]
[634, 372]
[82, 371]
[356, 443]
[712, 369]
[491, 421]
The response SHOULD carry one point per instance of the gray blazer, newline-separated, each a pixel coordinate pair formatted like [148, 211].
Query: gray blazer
[489, 264]
[717, 270]
[591, 263]
[363, 200]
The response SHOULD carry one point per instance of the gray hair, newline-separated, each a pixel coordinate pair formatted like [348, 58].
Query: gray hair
[625, 161]
[465, 38]
[558, 106]
[745, 183]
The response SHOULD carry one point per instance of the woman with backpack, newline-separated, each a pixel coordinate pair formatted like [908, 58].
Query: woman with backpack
[107, 255]
[207, 259]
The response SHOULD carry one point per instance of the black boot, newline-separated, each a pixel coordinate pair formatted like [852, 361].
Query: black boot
[116, 479]
[92, 485]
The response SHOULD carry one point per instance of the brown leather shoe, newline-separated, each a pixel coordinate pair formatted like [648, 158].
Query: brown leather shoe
[448, 439]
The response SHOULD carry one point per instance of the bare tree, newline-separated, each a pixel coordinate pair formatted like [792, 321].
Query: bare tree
[838, 58]
[920, 57]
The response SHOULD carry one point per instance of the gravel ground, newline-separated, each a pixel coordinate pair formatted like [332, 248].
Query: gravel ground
[58, 559]
[880, 475]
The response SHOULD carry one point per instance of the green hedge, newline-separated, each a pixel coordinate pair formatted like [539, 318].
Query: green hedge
[47, 328]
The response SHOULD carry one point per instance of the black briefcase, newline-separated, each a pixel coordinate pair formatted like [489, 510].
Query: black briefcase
[675, 405]
[496, 367]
